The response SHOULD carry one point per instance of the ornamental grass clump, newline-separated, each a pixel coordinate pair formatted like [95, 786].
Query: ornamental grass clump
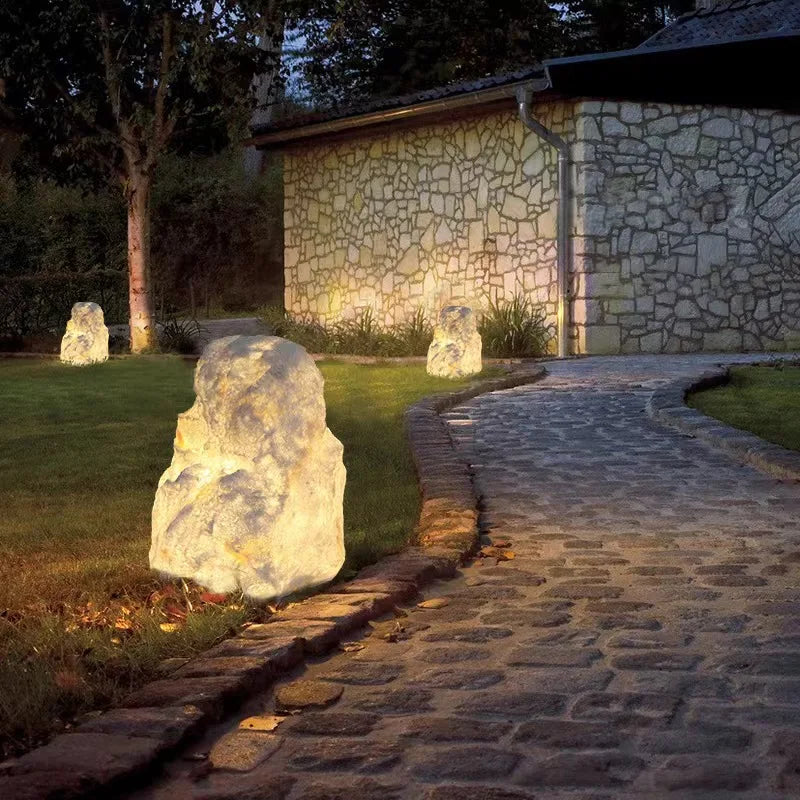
[515, 328]
[361, 336]
[181, 335]
[305, 332]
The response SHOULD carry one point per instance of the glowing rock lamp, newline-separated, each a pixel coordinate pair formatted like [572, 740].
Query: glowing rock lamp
[86, 339]
[455, 351]
[253, 498]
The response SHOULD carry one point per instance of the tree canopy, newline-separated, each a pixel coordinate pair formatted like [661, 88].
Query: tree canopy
[98, 84]
[357, 49]
[597, 26]
[102, 88]
[354, 49]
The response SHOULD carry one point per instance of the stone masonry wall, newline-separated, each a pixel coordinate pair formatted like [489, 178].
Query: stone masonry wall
[416, 218]
[689, 223]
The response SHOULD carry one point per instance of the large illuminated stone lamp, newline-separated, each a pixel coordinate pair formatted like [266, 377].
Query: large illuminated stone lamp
[253, 498]
[86, 339]
[455, 351]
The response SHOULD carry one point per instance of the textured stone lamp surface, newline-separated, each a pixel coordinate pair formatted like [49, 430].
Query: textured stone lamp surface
[86, 339]
[455, 351]
[253, 498]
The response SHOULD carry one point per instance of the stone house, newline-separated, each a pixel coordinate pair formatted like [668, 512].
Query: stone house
[648, 198]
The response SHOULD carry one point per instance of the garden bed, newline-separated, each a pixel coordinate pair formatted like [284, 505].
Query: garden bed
[84, 620]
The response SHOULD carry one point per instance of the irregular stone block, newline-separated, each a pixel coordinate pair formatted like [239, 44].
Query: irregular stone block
[468, 763]
[242, 751]
[584, 770]
[86, 339]
[253, 497]
[170, 726]
[455, 351]
[333, 723]
[95, 758]
[210, 695]
[304, 694]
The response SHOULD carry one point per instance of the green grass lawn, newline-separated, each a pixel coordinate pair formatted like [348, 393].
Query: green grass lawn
[82, 619]
[764, 400]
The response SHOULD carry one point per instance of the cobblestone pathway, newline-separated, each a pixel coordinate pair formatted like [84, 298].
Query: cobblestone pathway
[644, 641]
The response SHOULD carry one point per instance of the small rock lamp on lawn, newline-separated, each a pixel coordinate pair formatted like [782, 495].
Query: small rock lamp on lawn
[86, 339]
[253, 499]
[455, 351]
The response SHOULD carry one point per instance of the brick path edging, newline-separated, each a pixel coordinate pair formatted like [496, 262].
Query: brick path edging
[668, 406]
[126, 744]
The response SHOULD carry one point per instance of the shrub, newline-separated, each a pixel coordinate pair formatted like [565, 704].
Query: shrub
[307, 333]
[216, 242]
[416, 334]
[515, 328]
[359, 337]
[181, 335]
[58, 246]
[41, 303]
[216, 234]
[363, 337]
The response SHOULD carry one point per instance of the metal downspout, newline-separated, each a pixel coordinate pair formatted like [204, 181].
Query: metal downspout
[524, 96]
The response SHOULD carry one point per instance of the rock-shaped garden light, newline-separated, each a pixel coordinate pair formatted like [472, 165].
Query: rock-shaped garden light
[86, 339]
[253, 497]
[455, 351]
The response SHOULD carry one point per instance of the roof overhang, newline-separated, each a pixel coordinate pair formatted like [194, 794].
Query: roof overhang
[753, 72]
[417, 113]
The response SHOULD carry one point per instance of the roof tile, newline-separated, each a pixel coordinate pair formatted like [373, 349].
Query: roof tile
[297, 120]
[729, 19]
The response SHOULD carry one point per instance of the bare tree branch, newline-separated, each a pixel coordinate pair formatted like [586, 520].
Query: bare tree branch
[112, 78]
[162, 127]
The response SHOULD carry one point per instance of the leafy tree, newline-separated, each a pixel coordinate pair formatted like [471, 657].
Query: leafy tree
[357, 49]
[598, 26]
[103, 88]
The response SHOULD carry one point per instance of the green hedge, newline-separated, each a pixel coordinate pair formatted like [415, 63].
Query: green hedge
[216, 238]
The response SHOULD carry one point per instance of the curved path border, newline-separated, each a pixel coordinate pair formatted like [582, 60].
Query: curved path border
[668, 406]
[128, 743]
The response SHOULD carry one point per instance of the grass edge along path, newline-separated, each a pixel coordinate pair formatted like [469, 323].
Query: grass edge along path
[763, 399]
[82, 619]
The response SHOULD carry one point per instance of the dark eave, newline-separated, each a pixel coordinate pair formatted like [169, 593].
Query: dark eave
[754, 71]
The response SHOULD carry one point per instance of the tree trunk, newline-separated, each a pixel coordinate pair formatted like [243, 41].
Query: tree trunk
[142, 322]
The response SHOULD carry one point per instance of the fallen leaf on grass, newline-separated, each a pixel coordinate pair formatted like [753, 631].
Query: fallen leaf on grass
[214, 598]
[434, 602]
[176, 612]
[169, 627]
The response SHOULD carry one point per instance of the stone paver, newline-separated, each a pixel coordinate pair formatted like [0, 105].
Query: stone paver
[644, 641]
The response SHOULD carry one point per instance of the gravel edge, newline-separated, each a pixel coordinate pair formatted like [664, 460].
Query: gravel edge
[114, 751]
[667, 405]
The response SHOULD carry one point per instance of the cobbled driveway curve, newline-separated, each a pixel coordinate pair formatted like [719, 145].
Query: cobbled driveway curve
[643, 642]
